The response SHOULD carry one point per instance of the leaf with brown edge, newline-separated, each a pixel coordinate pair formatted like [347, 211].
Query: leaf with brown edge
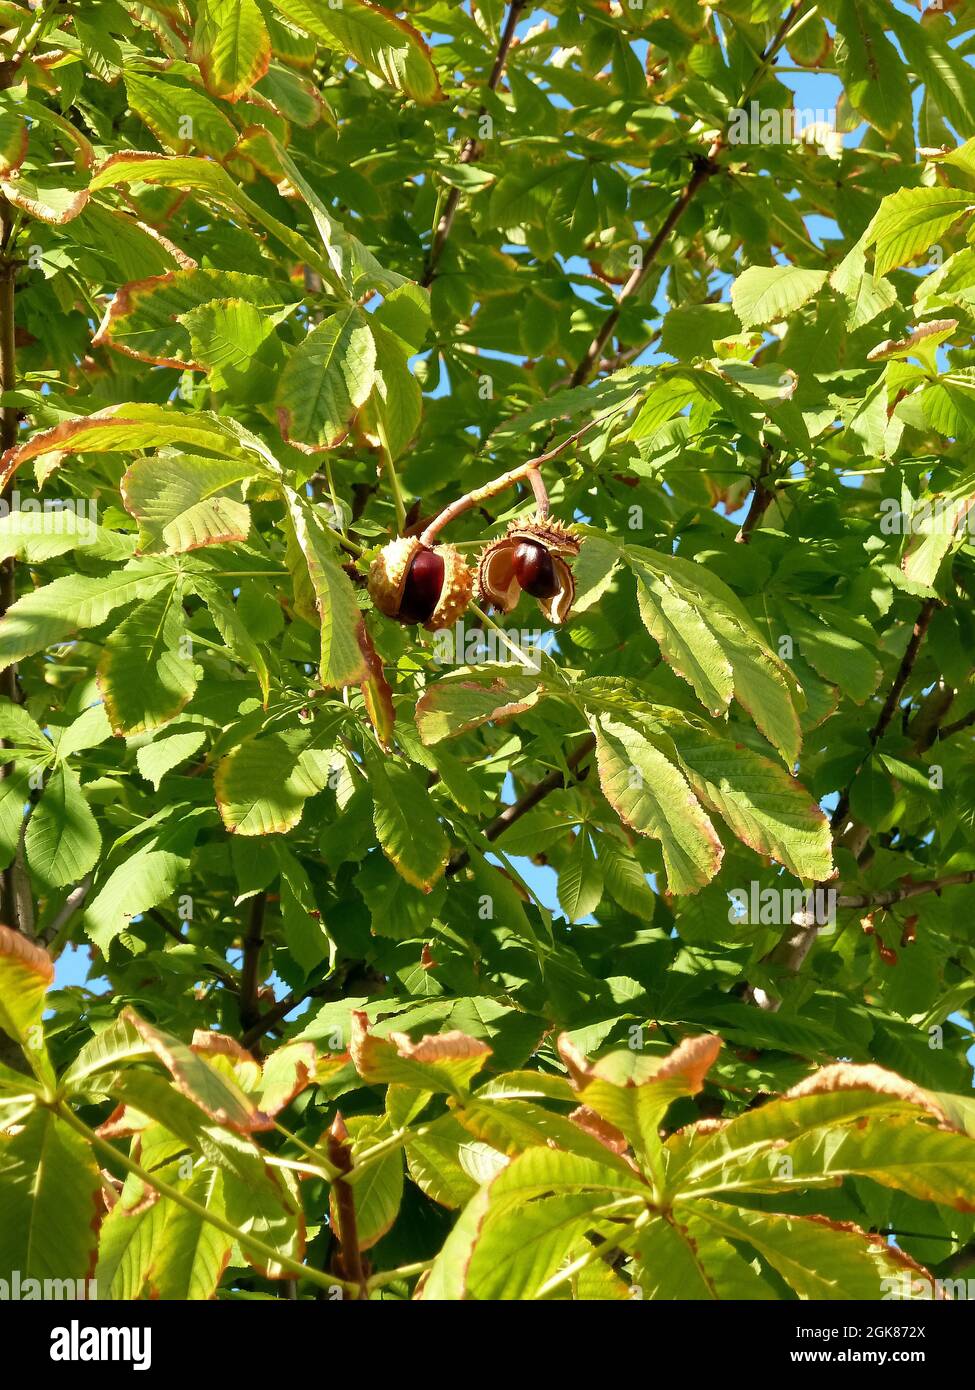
[455, 705]
[343, 658]
[286, 1074]
[229, 1057]
[118, 429]
[652, 796]
[214, 1094]
[55, 206]
[631, 1092]
[14, 139]
[856, 1076]
[376, 691]
[142, 320]
[442, 1062]
[230, 46]
[26, 974]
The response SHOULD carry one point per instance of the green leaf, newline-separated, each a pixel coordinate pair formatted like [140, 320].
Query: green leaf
[26, 972]
[580, 879]
[765, 294]
[327, 377]
[50, 1192]
[817, 1258]
[378, 1191]
[146, 673]
[238, 346]
[343, 659]
[909, 220]
[762, 803]
[230, 45]
[155, 759]
[74, 603]
[182, 502]
[407, 825]
[651, 796]
[146, 879]
[874, 77]
[144, 320]
[62, 839]
[467, 699]
[262, 786]
[706, 634]
[375, 37]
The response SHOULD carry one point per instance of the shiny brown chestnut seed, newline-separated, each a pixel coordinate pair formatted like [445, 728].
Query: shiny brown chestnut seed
[424, 585]
[534, 570]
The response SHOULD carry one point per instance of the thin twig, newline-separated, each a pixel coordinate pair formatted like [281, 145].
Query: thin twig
[705, 166]
[471, 151]
[551, 782]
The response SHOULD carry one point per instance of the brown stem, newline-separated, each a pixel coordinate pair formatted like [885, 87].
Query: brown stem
[907, 890]
[331, 988]
[551, 782]
[529, 470]
[893, 698]
[250, 972]
[762, 496]
[350, 1258]
[471, 151]
[704, 167]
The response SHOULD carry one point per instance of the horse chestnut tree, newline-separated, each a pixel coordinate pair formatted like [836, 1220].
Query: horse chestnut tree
[486, 611]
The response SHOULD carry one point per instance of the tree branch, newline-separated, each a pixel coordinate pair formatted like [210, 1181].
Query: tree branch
[761, 500]
[887, 897]
[470, 152]
[704, 167]
[790, 953]
[552, 781]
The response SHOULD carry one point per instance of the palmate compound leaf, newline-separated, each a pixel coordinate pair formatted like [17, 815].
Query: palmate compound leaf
[530, 1228]
[708, 637]
[651, 795]
[705, 1251]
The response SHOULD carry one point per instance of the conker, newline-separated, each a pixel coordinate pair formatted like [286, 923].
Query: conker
[424, 585]
[534, 570]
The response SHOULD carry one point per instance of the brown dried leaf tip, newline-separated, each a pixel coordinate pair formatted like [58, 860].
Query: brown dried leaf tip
[534, 557]
[415, 583]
